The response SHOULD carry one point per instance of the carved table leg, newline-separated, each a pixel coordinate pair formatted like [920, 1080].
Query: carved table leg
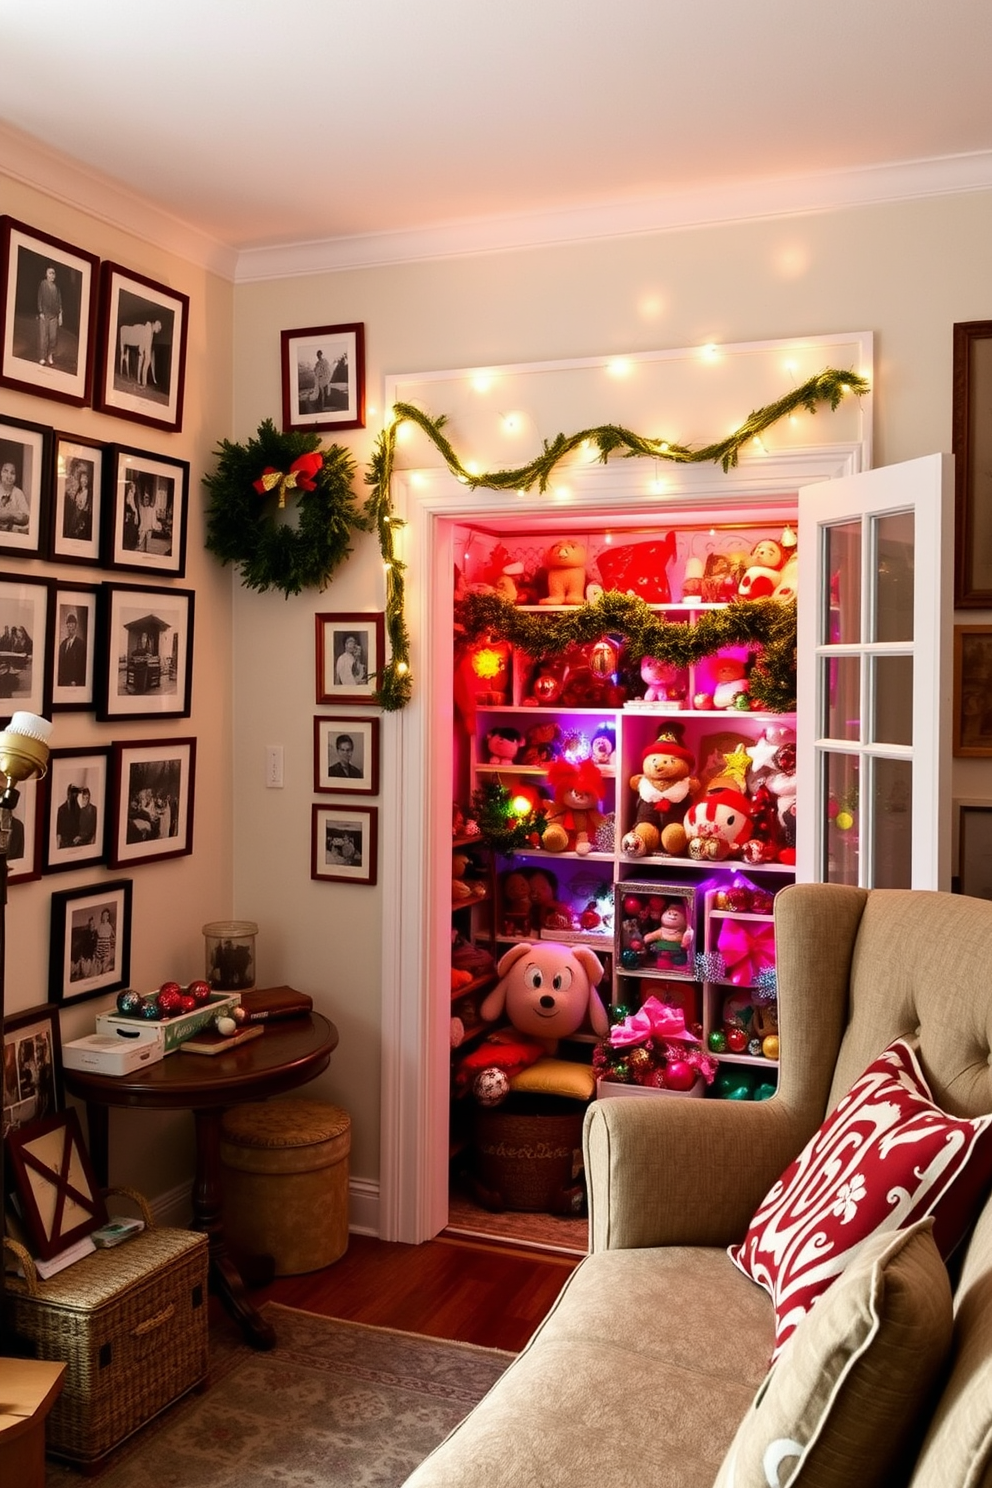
[225, 1279]
[98, 1132]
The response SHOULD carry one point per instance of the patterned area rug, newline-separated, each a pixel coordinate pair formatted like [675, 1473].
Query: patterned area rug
[333, 1405]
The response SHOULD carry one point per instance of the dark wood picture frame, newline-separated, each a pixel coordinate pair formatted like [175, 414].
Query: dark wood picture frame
[25, 670]
[151, 801]
[80, 965]
[72, 638]
[78, 470]
[49, 361]
[32, 1065]
[344, 843]
[363, 635]
[142, 364]
[974, 855]
[145, 655]
[323, 377]
[25, 462]
[76, 828]
[972, 447]
[973, 691]
[24, 848]
[51, 1172]
[147, 509]
[352, 769]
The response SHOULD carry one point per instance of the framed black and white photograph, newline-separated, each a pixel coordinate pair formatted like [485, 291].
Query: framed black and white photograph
[24, 845]
[349, 651]
[152, 801]
[145, 653]
[344, 843]
[76, 808]
[346, 755]
[72, 626]
[32, 1066]
[23, 646]
[76, 502]
[143, 329]
[90, 950]
[323, 377]
[147, 503]
[24, 455]
[48, 294]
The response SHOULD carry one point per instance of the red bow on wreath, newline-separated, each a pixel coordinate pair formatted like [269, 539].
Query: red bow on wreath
[746, 951]
[300, 476]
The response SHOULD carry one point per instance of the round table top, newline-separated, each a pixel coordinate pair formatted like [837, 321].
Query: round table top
[290, 1052]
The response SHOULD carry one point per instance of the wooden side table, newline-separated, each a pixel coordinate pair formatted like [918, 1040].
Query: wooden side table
[288, 1054]
[28, 1390]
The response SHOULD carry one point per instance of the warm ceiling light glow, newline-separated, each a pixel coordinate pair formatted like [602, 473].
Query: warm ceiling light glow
[562, 493]
[402, 432]
[619, 367]
[401, 669]
[710, 352]
[481, 382]
[513, 423]
[650, 307]
[416, 479]
[792, 261]
[658, 486]
[370, 410]
[791, 368]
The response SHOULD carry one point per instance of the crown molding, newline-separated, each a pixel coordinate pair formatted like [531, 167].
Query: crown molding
[697, 207]
[28, 161]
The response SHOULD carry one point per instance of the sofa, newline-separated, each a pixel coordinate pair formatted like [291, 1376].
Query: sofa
[653, 1366]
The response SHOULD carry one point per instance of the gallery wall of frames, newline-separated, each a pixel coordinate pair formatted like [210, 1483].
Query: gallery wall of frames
[116, 642]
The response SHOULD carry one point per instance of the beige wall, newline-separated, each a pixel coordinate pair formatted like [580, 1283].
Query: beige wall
[906, 272]
[170, 900]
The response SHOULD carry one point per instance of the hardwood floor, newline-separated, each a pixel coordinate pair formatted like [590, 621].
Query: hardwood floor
[491, 1294]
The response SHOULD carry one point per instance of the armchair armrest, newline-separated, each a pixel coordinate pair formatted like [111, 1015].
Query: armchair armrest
[683, 1172]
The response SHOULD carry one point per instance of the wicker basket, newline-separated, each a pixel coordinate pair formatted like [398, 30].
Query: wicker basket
[132, 1324]
[527, 1157]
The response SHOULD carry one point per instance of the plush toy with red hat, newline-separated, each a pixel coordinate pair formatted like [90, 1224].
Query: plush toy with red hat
[664, 789]
[719, 824]
[577, 787]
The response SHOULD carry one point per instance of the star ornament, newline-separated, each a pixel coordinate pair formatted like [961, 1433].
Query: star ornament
[736, 765]
[763, 750]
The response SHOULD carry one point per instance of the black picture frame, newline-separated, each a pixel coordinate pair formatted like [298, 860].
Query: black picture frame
[142, 341]
[147, 508]
[30, 360]
[344, 829]
[25, 672]
[75, 504]
[152, 798]
[77, 803]
[971, 444]
[80, 966]
[145, 652]
[32, 1066]
[72, 638]
[350, 770]
[25, 459]
[974, 833]
[362, 632]
[323, 377]
[24, 846]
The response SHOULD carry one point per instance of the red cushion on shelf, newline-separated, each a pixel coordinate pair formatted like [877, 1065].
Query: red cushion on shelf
[885, 1157]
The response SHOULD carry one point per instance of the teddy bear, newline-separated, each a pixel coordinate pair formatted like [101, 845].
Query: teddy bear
[503, 745]
[761, 577]
[665, 681]
[577, 789]
[565, 562]
[664, 787]
[547, 991]
[730, 683]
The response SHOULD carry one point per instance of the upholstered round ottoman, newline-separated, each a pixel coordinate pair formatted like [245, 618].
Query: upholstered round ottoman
[285, 1169]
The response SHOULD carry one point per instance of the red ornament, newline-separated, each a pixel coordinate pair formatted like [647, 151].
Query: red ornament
[199, 991]
[679, 1075]
[631, 904]
[702, 701]
[186, 1004]
[739, 900]
[169, 987]
[168, 1003]
[736, 1040]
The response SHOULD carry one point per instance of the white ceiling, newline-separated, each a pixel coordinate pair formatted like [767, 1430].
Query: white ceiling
[277, 122]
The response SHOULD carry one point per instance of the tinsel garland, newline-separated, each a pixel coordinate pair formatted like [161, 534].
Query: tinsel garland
[241, 525]
[764, 624]
[828, 386]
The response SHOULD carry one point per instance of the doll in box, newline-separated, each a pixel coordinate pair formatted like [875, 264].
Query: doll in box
[672, 941]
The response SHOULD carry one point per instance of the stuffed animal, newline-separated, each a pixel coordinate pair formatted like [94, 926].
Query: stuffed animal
[665, 681]
[761, 577]
[719, 824]
[603, 743]
[781, 782]
[547, 991]
[663, 789]
[731, 683]
[516, 903]
[503, 745]
[672, 940]
[565, 562]
[787, 587]
[577, 790]
[542, 744]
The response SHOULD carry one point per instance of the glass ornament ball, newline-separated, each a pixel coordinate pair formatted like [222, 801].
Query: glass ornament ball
[491, 1087]
[129, 1002]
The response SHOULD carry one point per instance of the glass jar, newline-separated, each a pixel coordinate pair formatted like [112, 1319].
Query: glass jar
[230, 954]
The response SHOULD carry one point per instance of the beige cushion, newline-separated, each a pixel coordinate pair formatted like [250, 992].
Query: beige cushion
[854, 1379]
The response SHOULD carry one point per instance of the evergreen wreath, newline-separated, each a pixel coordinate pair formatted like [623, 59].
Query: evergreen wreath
[251, 479]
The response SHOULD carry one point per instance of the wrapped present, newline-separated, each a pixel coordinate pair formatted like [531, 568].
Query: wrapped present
[747, 949]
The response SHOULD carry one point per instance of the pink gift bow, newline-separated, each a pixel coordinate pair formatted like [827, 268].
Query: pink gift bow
[655, 1020]
[746, 950]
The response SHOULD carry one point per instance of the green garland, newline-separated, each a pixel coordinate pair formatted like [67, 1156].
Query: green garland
[241, 527]
[501, 830]
[763, 624]
[770, 678]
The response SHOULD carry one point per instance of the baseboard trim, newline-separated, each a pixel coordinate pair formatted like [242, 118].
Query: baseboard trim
[174, 1208]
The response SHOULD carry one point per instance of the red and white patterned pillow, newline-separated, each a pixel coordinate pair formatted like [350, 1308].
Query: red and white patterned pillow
[885, 1157]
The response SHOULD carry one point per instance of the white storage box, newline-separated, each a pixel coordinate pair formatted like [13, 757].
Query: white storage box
[173, 1030]
[105, 1054]
[609, 1088]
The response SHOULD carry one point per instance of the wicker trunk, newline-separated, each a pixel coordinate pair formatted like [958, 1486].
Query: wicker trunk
[131, 1323]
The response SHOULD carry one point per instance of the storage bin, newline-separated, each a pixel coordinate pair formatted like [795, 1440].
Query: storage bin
[285, 1168]
[131, 1323]
[527, 1156]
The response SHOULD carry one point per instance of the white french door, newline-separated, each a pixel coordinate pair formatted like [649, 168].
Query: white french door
[874, 696]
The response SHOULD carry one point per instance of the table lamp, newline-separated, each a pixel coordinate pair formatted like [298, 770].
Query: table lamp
[23, 756]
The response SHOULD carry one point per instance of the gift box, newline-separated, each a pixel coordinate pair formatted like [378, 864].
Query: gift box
[173, 1030]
